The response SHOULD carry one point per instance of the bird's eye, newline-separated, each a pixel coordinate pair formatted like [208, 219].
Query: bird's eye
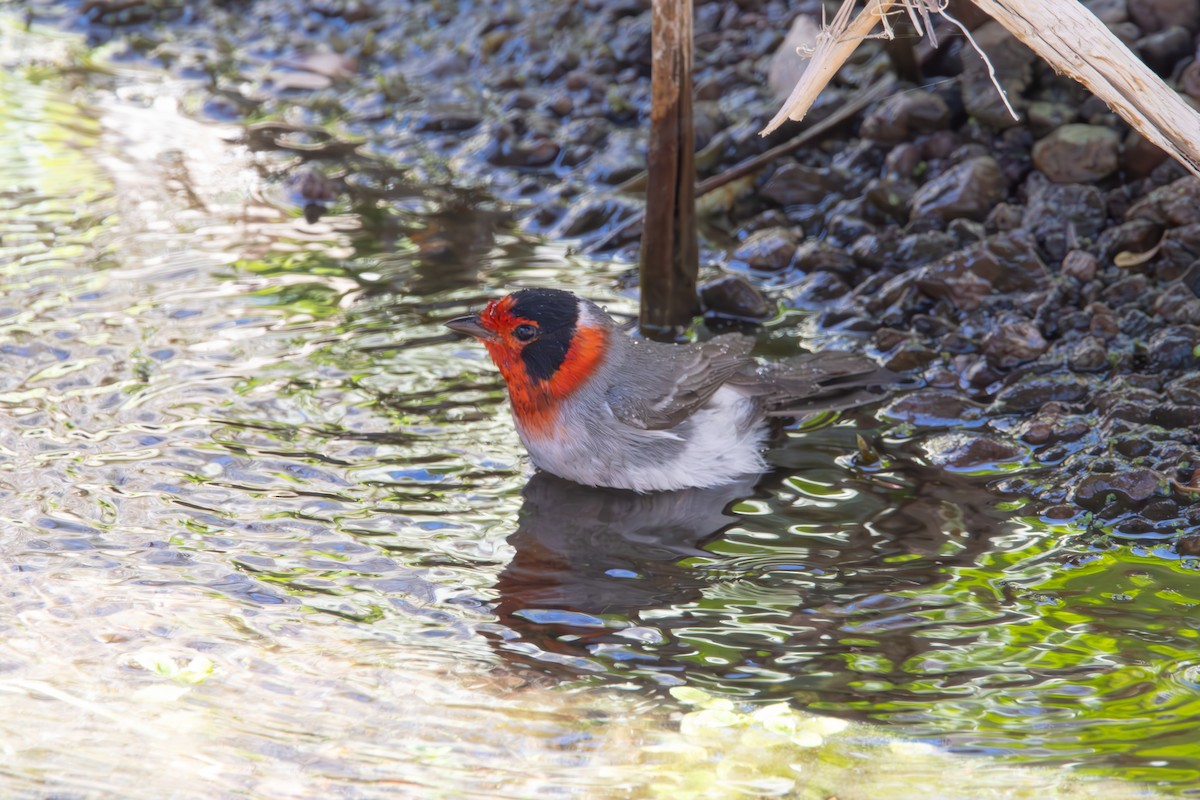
[525, 332]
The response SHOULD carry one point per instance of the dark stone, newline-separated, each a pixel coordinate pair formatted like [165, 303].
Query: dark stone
[917, 249]
[1078, 153]
[1155, 15]
[1013, 343]
[769, 250]
[1089, 355]
[1174, 416]
[1185, 390]
[905, 114]
[1135, 236]
[734, 296]
[1178, 304]
[1173, 205]
[794, 184]
[1162, 49]
[815, 255]
[970, 452]
[970, 189]
[1128, 488]
[590, 215]
[816, 289]
[1034, 391]
[1004, 217]
[892, 197]
[1044, 116]
[622, 157]
[933, 408]
[1059, 213]
[1174, 348]
[1080, 265]
[1126, 290]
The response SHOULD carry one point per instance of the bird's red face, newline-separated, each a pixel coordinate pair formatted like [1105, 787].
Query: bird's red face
[541, 346]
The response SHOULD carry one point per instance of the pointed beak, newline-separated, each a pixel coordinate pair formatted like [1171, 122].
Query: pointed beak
[469, 325]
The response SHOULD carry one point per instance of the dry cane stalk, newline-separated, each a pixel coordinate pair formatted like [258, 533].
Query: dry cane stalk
[1063, 32]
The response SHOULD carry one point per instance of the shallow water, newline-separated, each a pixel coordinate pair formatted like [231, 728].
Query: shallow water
[269, 531]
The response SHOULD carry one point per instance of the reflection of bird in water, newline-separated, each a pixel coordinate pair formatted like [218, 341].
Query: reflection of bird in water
[597, 566]
[582, 553]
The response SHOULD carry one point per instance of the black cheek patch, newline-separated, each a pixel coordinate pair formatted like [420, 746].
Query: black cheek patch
[544, 355]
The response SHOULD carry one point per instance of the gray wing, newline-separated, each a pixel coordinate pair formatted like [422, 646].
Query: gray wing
[811, 382]
[679, 380]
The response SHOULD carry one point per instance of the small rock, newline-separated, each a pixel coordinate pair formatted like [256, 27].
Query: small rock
[1004, 217]
[1155, 15]
[1034, 391]
[1128, 488]
[1060, 216]
[917, 249]
[933, 408]
[1045, 117]
[795, 184]
[1088, 355]
[1174, 348]
[588, 215]
[1162, 49]
[1178, 304]
[1134, 236]
[1127, 290]
[1080, 265]
[970, 189]
[769, 250]
[904, 115]
[1140, 156]
[734, 296]
[891, 196]
[1173, 205]
[1185, 390]
[816, 255]
[1013, 343]
[815, 290]
[1078, 153]
[1189, 80]
[971, 452]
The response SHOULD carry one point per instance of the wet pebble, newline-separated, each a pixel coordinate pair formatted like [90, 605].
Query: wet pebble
[1128, 488]
[734, 296]
[1155, 15]
[1088, 355]
[1173, 205]
[905, 114]
[1080, 265]
[970, 189]
[933, 408]
[966, 451]
[1078, 153]
[1061, 215]
[794, 184]
[1013, 343]
[1162, 49]
[1174, 347]
[815, 255]
[769, 250]
[1031, 392]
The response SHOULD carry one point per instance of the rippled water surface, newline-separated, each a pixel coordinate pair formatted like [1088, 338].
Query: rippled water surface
[268, 530]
